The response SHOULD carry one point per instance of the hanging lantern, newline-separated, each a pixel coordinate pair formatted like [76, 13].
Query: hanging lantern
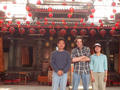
[112, 32]
[69, 15]
[113, 4]
[18, 22]
[76, 23]
[112, 16]
[38, 22]
[64, 3]
[66, 27]
[27, 8]
[102, 32]
[5, 7]
[50, 15]
[27, 22]
[113, 28]
[1, 21]
[81, 20]
[62, 32]
[50, 38]
[38, 26]
[100, 21]
[42, 31]
[46, 23]
[47, 44]
[52, 32]
[101, 24]
[28, 26]
[21, 30]
[72, 45]
[73, 32]
[117, 24]
[68, 38]
[49, 9]
[93, 10]
[92, 24]
[92, 32]
[98, 27]
[45, 19]
[4, 29]
[12, 30]
[114, 10]
[32, 30]
[83, 24]
[91, 16]
[9, 22]
[38, 2]
[83, 32]
[53, 23]
[30, 14]
[71, 9]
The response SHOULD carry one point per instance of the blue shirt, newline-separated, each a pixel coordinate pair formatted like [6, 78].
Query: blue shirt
[98, 63]
[60, 61]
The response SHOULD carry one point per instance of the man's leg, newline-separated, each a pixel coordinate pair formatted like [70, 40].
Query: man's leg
[85, 81]
[95, 84]
[63, 81]
[102, 84]
[76, 81]
[55, 81]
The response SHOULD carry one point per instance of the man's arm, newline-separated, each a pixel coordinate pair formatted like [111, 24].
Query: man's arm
[53, 65]
[81, 58]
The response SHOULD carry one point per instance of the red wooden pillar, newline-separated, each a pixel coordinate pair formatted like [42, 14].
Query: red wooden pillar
[1, 56]
[119, 58]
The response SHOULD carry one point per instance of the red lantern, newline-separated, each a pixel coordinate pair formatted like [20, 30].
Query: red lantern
[114, 10]
[50, 26]
[1, 21]
[32, 30]
[112, 16]
[92, 24]
[100, 21]
[28, 26]
[66, 27]
[117, 24]
[62, 32]
[4, 7]
[49, 9]
[112, 32]
[102, 32]
[42, 31]
[92, 10]
[73, 32]
[64, 3]
[38, 2]
[76, 23]
[71, 9]
[53, 23]
[21, 30]
[38, 26]
[83, 32]
[98, 27]
[50, 15]
[46, 23]
[11, 30]
[18, 22]
[9, 22]
[27, 8]
[113, 4]
[27, 22]
[64, 23]
[91, 16]
[81, 20]
[93, 32]
[84, 24]
[52, 32]
[38, 22]
[101, 24]
[30, 14]
[4, 29]
[69, 15]
[45, 19]
[113, 28]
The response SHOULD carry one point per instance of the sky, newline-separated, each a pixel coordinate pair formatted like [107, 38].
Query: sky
[103, 9]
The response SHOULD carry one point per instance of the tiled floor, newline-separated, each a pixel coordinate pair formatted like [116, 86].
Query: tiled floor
[36, 87]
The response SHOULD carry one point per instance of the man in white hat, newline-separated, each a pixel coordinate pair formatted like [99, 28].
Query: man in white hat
[98, 68]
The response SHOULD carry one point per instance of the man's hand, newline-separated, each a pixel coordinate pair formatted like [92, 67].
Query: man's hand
[105, 79]
[92, 79]
[81, 58]
[60, 72]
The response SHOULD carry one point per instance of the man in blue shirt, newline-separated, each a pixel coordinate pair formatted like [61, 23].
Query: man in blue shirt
[60, 63]
[98, 68]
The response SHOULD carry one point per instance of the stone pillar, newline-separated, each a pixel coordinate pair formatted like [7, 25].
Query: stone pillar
[11, 55]
[18, 57]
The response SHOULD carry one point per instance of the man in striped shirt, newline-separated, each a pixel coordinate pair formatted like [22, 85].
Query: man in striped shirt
[80, 57]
